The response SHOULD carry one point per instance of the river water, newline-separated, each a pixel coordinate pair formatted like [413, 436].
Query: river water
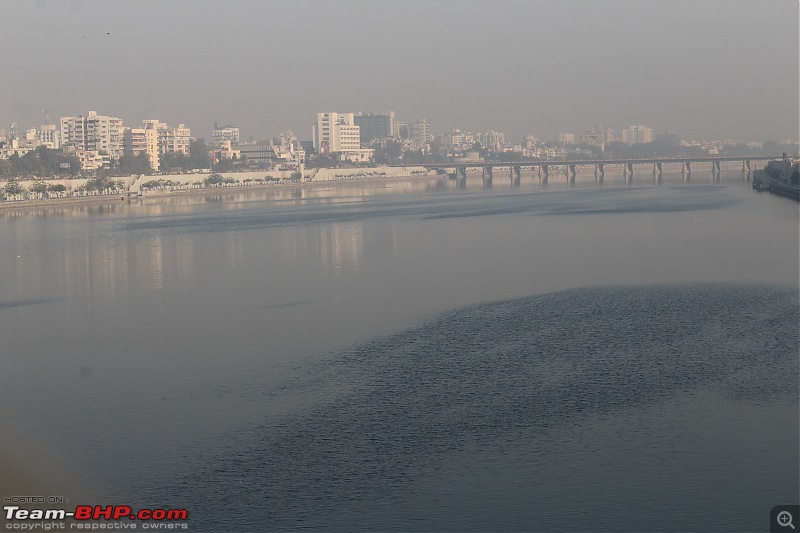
[409, 355]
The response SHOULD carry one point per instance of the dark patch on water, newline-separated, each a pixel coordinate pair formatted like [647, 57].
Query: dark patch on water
[455, 205]
[24, 303]
[487, 374]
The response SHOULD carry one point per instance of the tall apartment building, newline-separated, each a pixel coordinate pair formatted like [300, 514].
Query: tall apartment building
[49, 136]
[225, 133]
[155, 139]
[93, 132]
[637, 135]
[596, 136]
[336, 132]
[178, 140]
[143, 140]
[421, 131]
[171, 140]
[457, 138]
[493, 140]
[375, 126]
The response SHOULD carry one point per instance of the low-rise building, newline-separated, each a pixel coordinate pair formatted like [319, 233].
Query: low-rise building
[566, 137]
[90, 160]
[228, 133]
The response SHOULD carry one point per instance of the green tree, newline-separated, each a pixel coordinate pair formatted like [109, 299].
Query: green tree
[100, 183]
[38, 186]
[133, 164]
[322, 161]
[388, 153]
[175, 162]
[13, 187]
[198, 155]
[224, 165]
[214, 179]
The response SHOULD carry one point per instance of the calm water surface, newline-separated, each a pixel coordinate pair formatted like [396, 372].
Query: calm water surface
[410, 355]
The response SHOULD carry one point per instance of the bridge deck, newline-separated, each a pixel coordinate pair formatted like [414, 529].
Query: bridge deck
[576, 162]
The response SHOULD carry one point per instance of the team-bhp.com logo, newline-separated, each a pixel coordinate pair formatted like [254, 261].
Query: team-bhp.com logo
[89, 516]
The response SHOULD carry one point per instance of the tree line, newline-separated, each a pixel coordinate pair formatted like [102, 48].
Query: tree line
[42, 161]
[46, 162]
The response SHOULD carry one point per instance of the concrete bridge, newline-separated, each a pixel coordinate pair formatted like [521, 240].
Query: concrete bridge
[458, 171]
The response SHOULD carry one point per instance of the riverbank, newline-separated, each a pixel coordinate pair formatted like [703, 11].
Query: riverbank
[147, 186]
[22, 205]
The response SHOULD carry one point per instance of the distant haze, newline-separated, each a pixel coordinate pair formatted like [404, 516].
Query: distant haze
[703, 69]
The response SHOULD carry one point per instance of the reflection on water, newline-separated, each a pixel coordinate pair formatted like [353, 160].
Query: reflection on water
[203, 317]
[350, 191]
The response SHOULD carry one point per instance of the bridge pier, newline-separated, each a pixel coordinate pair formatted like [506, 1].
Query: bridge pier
[488, 176]
[599, 172]
[543, 173]
[516, 174]
[715, 171]
[657, 168]
[687, 171]
[461, 181]
[627, 172]
[571, 171]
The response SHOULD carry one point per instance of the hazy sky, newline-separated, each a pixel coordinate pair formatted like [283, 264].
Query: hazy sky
[704, 69]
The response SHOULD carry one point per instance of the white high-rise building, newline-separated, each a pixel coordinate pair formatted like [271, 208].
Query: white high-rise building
[493, 140]
[49, 136]
[336, 132]
[225, 133]
[98, 133]
[171, 140]
[637, 135]
[596, 136]
[142, 140]
[421, 131]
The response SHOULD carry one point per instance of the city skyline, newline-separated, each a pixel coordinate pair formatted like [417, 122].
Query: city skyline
[580, 136]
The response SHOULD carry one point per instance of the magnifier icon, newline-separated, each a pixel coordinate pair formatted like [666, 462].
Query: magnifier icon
[785, 519]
